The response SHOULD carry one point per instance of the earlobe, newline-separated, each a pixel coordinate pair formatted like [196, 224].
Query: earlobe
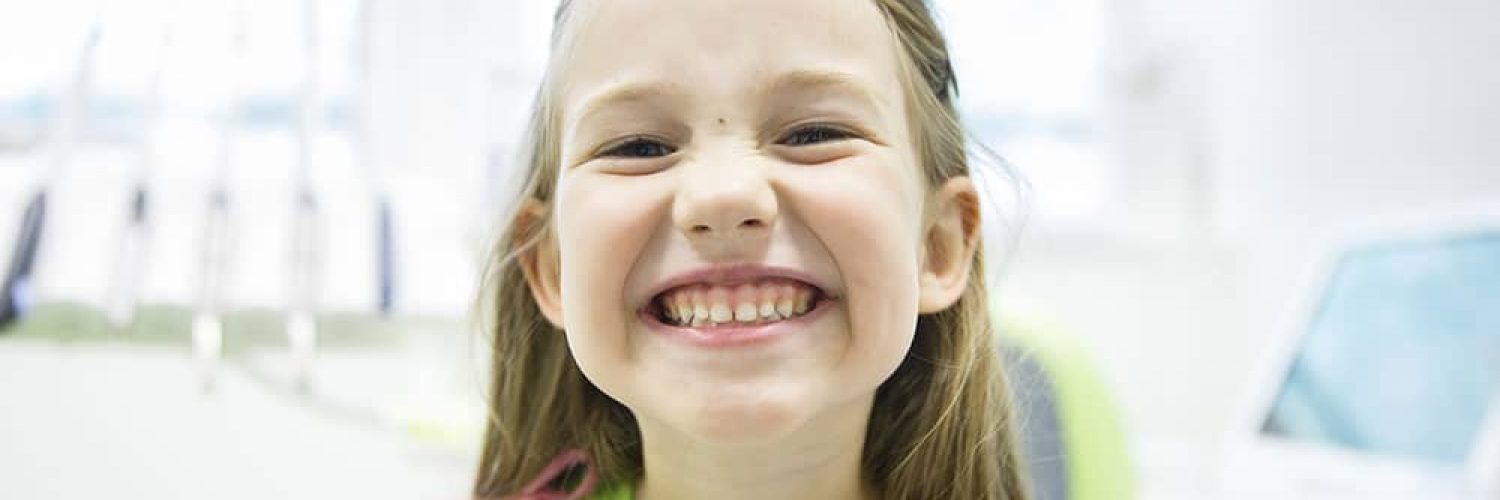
[949, 241]
[538, 259]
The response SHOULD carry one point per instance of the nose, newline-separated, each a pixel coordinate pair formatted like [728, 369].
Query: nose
[725, 202]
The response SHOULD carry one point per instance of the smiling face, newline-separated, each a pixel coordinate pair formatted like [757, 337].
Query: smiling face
[739, 212]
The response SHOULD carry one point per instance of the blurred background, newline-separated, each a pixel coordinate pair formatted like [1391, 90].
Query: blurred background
[262, 223]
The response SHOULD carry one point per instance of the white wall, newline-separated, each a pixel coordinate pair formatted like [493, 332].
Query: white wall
[1332, 108]
[1248, 129]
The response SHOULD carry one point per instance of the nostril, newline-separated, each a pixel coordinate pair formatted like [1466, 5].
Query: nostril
[708, 229]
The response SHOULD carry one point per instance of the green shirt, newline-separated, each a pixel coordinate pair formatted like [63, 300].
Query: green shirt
[612, 492]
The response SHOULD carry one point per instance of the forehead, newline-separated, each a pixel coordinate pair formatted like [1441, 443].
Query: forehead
[721, 49]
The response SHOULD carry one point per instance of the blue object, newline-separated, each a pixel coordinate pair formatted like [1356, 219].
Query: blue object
[15, 295]
[387, 259]
[1403, 355]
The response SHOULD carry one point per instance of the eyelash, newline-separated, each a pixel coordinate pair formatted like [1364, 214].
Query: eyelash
[623, 150]
[802, 136]
[818, 132]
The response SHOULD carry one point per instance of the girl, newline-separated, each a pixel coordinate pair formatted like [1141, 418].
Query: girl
[745, 264]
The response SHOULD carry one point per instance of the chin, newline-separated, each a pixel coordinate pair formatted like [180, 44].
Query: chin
[748, 419]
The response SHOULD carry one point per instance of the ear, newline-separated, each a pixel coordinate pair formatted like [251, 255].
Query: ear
[539, 262]
[950, 238]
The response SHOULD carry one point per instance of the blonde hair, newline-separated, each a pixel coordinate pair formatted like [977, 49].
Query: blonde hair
[941, 426]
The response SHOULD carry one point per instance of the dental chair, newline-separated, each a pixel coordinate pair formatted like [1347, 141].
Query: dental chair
[1072, 436]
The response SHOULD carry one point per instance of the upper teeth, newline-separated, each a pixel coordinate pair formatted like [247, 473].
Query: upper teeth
[750, 303]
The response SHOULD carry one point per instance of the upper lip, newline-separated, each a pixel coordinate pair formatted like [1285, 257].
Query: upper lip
[739, 273]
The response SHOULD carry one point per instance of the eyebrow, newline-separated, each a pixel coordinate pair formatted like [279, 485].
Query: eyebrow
[625, 94]
[819, 80]
[798, 80]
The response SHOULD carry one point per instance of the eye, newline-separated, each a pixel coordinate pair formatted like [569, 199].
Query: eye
[815, 134]
[639, 147]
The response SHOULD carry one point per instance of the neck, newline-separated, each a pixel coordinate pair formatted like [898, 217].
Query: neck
[818, 460]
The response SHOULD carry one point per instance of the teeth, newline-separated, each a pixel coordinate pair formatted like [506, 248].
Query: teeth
[746, 312]
[700, 307]
[784, 303]
[750, 303]
[768, 304]
[719, 312]
[684, 308]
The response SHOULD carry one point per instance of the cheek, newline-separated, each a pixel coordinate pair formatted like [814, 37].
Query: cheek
[867, 214]
[602, 224]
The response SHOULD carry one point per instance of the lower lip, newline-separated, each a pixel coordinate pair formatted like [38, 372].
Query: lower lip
[738, 335]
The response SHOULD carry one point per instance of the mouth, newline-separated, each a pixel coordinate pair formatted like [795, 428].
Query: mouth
[749, 303]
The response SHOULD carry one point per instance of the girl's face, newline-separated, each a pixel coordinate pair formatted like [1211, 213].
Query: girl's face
[739, 216]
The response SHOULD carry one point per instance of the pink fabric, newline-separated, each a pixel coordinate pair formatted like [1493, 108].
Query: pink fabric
[564, 461]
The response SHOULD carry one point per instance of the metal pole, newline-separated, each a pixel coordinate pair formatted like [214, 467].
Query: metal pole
[218, 232]
[130, 263]
[385, 230]
[301, 326]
